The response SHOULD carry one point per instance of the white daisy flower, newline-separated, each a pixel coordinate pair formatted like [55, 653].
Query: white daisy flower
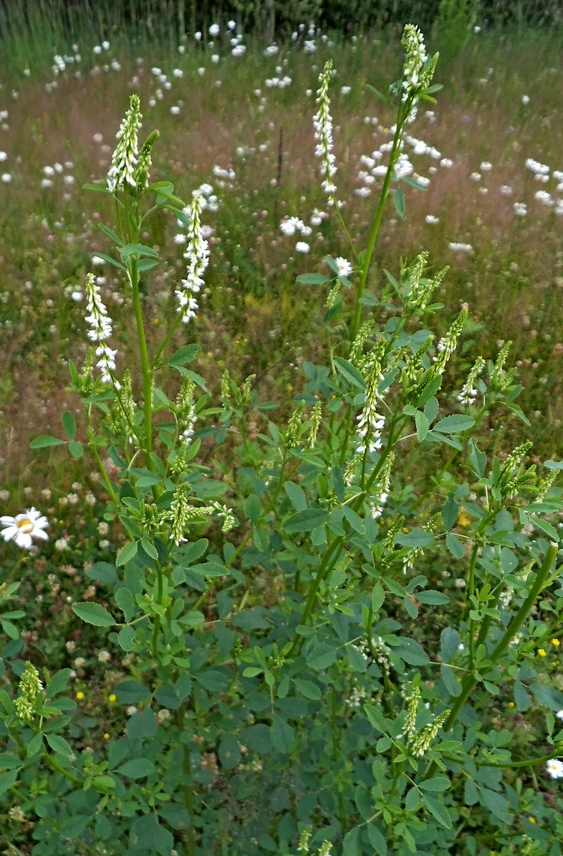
[344, 266]
[24, 527]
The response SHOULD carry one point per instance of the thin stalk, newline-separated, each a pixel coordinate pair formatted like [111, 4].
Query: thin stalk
[145, 364]
[60, 769]
[530, 762]
[156, 626]
[403, 113]
[92, 445]
[470, 681]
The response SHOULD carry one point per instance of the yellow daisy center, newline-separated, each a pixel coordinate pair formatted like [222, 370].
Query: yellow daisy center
[25, 524]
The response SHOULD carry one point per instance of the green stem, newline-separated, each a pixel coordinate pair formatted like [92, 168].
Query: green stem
[403, 113]
[530, 762]
[470, 681]
[56, 766]
[4, 584]
[167, 338]
[92, 446]
[187, 789]
[145, 364]
[156, 626]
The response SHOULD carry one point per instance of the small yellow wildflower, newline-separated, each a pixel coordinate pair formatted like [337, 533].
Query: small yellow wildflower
[532, 819]
[463, 519]
[106, 736]
[79, 696]
[556, 642]
[113, 697]
[541, 652]
[511, 704]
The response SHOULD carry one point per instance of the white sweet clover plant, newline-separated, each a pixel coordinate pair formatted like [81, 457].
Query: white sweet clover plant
[285, 698]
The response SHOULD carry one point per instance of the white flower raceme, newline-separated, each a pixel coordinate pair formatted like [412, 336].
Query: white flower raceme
[322, 122]
[370, 421]
[100, 328]
[24, 527]
[418, 68]
[124, 158]
[197, 255]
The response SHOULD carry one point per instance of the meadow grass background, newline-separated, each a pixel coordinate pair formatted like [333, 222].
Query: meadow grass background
[224, 115]
[223, 124]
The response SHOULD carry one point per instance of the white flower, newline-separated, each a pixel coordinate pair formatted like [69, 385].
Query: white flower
[302, 247]
[554, 768]
[537, 167]
[290, 225]
[403, 167]
[24, 527]
[100, 328]
[344, 266]
[430, 218]
[124, 158]
[322, 122]
[214, 30]
[520, 209]
[544, 197]
[197, 256]
[559, 714]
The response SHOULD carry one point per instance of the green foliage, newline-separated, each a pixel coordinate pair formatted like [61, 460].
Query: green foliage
[312, 646]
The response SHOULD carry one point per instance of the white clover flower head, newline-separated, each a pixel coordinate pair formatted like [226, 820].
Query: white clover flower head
[536, 167]
[459, 247]
[214, 30]
[124, 158]
[23, 528]
[544, 197]
[291, 225]
[403, 167]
